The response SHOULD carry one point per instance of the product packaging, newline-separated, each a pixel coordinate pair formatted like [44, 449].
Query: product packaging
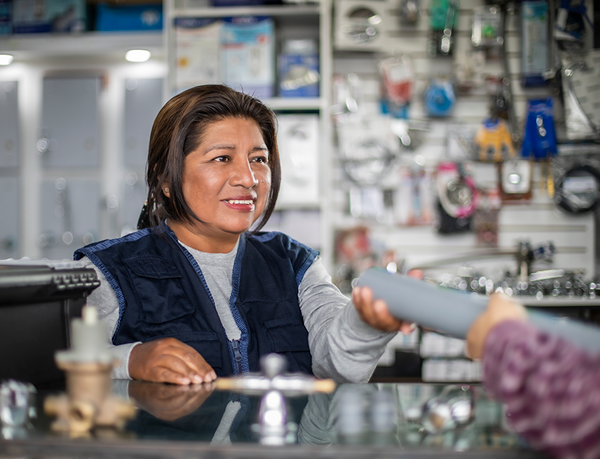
[5, 17]
[247, 55]
[539, 140]
[44, 16]
[129, 17]
[298, 69]
[534, 54]
[197, 42]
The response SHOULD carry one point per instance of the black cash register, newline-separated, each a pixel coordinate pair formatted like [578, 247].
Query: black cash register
[37, 302]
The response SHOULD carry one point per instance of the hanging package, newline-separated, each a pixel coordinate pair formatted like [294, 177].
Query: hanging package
[398, 79]
[577, 182]
[515, 179]
[493, 141]
[539, 140]
[487, 27]
[570, 22]
[409, 12]
[439, 97]
[443, 20]
[581, 91]
[457, 198]
[534, 42]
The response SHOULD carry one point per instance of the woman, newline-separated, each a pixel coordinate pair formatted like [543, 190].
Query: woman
[551, 388]
[199, 292]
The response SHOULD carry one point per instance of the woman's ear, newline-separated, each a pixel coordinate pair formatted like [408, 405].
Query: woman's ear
[166, 190]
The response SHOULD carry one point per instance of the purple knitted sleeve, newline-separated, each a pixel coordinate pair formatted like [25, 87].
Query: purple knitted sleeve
[551, 389]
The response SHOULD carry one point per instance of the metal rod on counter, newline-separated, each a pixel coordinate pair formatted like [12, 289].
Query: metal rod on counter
[284, 383]
[482, 254]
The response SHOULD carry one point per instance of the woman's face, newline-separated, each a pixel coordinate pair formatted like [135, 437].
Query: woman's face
[226, 180]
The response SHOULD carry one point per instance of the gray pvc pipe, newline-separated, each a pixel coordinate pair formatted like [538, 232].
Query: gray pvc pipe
[452, 312]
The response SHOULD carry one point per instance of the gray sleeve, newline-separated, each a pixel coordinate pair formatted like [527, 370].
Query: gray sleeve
[343, 347]
[105, 301]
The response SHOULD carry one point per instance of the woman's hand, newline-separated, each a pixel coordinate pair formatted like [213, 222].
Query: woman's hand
[500, 308]
[375, 312]
[169, 360]
[167, 401]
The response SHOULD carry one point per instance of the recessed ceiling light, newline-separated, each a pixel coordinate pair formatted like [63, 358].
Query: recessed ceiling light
[137, 55]
[6, 59]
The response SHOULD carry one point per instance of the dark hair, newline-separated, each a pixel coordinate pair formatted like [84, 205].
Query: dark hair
[178, 130]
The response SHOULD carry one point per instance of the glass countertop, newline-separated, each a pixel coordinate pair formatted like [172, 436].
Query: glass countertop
[377, 419]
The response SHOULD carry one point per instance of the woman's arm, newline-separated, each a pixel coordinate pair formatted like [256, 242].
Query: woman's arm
[551, 388]
[343, 346]
[105, 301]
[161, 360]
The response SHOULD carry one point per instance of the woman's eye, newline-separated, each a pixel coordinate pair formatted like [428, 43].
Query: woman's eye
[260, 159]
[221, 159]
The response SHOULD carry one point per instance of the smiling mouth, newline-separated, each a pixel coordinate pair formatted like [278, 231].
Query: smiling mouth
[245, 202]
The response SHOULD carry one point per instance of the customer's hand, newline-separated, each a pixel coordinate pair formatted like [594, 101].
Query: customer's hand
[167, 401]
[500, 308]
[375, 312]
[169, 360]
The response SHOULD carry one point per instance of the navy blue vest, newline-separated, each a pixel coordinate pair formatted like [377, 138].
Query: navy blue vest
[162, 293]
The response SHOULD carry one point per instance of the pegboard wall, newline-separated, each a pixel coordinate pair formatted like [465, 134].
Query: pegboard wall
[387, 204]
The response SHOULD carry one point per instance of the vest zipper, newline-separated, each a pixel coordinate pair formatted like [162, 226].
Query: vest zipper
[235, 344]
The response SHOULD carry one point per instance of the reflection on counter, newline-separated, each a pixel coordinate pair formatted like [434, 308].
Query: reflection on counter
[447, 417]
[392, 416]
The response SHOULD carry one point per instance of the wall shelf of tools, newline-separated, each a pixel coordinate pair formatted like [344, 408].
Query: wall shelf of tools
[401, 138]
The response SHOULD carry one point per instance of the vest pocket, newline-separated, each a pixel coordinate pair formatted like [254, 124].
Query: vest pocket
[287, 334]
[157, 282]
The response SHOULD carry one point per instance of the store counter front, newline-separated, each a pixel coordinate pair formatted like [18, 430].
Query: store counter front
[376, 420]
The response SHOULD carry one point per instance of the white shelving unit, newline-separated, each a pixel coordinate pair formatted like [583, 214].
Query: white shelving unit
[37, 56]
[40, 55]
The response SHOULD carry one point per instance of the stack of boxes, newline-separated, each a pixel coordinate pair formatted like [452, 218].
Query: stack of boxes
[134, 17]
[237, 51]
[73, 16]
[240, 52]
[45, 16]
[5, 17]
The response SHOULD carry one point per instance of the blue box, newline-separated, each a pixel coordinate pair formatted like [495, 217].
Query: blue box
[128, 18]
[298, 69]
[5, 17]
[35, 16]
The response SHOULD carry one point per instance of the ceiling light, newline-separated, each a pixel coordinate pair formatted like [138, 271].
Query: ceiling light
[5, 59]
[137, 55]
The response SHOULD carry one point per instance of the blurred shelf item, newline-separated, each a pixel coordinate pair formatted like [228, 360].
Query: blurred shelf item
[39, 46]
[295, 103]
[559, 302]
[274, 10]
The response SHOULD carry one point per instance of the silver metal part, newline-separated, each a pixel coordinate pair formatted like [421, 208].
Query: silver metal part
[17, 403]
[274, 428]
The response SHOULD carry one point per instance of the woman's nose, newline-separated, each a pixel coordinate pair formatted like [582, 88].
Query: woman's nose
[243, 175]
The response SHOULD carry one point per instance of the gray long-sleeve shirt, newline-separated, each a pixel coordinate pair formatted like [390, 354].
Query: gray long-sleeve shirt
[342, 346]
